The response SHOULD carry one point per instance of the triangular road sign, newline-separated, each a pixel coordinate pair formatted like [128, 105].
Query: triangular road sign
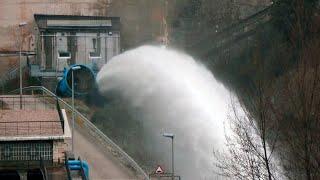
[159, 170]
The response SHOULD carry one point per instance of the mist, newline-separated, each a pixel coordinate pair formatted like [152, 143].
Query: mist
[170, 91]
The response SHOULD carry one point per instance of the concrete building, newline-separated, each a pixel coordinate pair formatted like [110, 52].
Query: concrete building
[13, 12]
[34, 138]
[65, 40]
[60, 41]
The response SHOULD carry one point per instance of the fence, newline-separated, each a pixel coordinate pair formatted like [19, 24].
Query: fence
[33, 122]
[93, 131]
[30, 128]
[37, 102]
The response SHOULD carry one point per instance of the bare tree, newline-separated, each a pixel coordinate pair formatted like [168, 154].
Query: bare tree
[298, 101]
[255, 133]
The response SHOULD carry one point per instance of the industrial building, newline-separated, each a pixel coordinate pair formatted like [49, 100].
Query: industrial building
[34, 138]
[65, 40]
[57, 42]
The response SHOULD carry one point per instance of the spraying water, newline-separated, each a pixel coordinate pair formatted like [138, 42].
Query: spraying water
[175, 94]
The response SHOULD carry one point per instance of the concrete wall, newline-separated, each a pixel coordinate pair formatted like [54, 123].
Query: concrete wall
[62, 145]
[59, 148]
[141, 19]
[12, 12]
[107, 45]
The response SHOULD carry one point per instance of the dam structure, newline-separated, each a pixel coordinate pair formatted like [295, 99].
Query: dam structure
[35, 128]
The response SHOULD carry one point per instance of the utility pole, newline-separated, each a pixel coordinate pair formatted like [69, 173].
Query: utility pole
[21, 25]
[74, 68]
[171, 136]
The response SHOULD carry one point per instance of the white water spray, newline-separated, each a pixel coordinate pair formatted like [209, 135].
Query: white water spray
[175, 94]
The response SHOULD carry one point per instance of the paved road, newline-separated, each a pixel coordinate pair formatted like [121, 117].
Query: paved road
[103, 166]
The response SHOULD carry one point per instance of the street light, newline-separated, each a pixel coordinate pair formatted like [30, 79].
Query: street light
[22, 24]
[74, 68]
[171, 136]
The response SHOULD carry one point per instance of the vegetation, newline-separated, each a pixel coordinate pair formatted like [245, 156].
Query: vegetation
[275, 75]
[119, 122]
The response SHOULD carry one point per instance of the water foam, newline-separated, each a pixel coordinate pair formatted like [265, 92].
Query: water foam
[174, 93]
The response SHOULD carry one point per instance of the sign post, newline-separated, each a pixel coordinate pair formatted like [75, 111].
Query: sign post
[159, 173]
[159, 170]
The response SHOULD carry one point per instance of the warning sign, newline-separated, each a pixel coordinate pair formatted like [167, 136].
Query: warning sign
[159, 170]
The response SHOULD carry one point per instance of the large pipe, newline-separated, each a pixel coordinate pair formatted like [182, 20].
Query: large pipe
[84, 81]
[76, 165]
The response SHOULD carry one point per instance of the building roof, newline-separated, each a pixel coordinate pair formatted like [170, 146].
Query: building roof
[30, 123]
[74, 22]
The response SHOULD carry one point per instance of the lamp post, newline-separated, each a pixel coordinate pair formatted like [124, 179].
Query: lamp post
[22, 24]
[171, 136]
[74, 68]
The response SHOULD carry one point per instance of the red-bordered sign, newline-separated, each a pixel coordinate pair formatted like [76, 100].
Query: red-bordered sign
[159, 170]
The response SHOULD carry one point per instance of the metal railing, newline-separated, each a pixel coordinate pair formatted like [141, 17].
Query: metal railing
[37, 102]
[9, 75]
[12, 73]
[30, 128]
[34, 126]
[121, 155]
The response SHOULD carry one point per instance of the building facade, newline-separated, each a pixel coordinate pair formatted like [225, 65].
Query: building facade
[66, 40]
[35, 135]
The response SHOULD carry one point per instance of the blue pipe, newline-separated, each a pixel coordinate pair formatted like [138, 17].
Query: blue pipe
[84, 81]
[75, 165]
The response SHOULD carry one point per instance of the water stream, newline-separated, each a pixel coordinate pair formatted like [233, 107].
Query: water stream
[173, 93]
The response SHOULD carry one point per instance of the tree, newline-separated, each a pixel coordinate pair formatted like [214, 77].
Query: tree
[298, 102]
[254, 133]
[297, 98]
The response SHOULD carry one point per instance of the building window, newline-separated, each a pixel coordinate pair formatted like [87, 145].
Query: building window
[94, 55]
[64, 55]
[26, 151]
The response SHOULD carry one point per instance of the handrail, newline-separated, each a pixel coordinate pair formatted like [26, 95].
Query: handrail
[98, 131]
[11, 73]
[28, 102]
[8, 74]
[10, 122]
[29, 128]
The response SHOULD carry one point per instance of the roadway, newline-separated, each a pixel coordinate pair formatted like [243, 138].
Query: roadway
[103, 165]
